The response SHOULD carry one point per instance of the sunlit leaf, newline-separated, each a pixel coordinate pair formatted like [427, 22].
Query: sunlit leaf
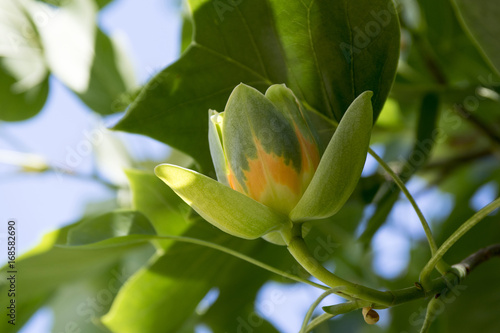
[41, 277]
[166, 211]
[24, 82]
[328, 54]
[110, 225]
[164, 289]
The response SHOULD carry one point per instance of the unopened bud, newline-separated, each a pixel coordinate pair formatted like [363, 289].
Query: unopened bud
[371, 316]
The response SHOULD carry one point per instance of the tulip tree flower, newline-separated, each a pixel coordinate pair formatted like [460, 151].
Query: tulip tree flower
[271, 172]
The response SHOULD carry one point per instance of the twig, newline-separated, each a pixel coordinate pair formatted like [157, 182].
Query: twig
[480, 256]
[487, 130]
[462, 230]
[456, 161]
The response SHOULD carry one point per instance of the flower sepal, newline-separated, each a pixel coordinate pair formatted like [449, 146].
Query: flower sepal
[228, 210]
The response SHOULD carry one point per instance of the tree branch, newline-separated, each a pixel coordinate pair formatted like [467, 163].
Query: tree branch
[480, 256]
[487, 130]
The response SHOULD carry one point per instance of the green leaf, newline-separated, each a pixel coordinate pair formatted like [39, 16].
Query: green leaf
[238, 290]
[164, 209]
[326, 54]
[170, 286]
[20, 105]
[228, 210]
[100, 3]
[24, 82]
[176, 293]
[110, 225]
[29, 308]
[173, 284]
[48, 267]
[68, 41]
[77, 305]
[187, 30]
[111, 77]
[40, 271]
[79, 54]
[435, 50]
[167, 212]
[480, 20]
[340, 167]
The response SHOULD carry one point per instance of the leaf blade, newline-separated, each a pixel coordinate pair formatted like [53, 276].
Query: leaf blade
[481, 22]
[256, 43]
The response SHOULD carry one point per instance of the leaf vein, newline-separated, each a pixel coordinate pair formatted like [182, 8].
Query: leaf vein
[316, 63]
[231, 60]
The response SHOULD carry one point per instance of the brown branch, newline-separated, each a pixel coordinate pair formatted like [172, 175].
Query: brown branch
[487, 130]
[457, 161]
[480, 256]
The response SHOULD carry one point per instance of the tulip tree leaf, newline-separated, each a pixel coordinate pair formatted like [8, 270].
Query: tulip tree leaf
[79, 54]
[24, 83]
[166, 211]
[225, 208]
[42, 277]
[18, 106]
[228, 313]
[480, 19]
[71, 47]
[328, 54]
[111, 77]
[110, 225]
[444, 35]
[72, 264]
[100, 3]
[340, 167]
[230, 275]
[161, 290]
[78, 304]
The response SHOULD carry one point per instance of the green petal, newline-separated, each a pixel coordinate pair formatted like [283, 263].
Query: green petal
[285, 101]
[252, 121]
[228, 210]
[215, 142]
[340, 167]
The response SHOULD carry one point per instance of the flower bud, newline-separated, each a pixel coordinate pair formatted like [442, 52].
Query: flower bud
[263, 147]
[270, 169]
[371, 316]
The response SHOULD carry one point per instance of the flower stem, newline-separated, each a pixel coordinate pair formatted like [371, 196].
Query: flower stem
[379, 299]
[318, 321]
[242, 257]
[442, 266]
[314, 305]
[298, 248]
